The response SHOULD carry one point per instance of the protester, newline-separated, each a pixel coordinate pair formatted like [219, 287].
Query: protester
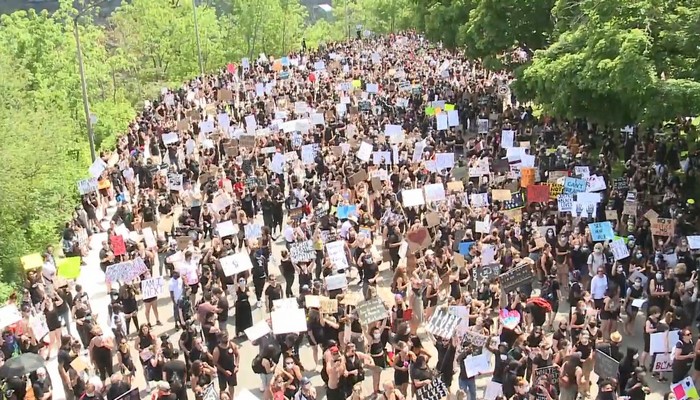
[376, 154]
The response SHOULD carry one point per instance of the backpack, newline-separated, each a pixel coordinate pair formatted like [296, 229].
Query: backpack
[258, 366]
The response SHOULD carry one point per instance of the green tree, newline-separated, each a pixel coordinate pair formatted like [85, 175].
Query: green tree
[495, 27]
[619, 61]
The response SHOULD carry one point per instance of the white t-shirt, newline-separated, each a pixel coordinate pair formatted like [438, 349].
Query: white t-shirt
[175, 286]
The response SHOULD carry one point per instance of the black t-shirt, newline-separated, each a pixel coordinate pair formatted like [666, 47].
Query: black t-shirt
[118, 389]
[175, 370]
[223, 306]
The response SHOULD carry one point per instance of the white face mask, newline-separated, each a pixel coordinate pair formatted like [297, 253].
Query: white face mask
[376, 336]
[504, 357]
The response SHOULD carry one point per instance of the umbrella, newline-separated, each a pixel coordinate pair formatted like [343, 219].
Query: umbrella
[21, 365]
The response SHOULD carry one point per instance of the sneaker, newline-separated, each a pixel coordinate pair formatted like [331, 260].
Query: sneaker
[159, 323]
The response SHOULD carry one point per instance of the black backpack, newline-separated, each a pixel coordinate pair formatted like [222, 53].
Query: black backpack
[258, 366]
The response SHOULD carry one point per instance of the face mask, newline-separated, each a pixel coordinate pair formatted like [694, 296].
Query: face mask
[636, 356]
[659, 277]
[638, 285]
[504, 357]
[526, 388]
[598, 251]
[584, 249]
[577, 247]
[376, 336]
[550, 235]
[640, 255]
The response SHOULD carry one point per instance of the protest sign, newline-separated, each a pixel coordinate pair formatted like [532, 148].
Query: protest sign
[260, 329]
[619, 249]
[487, 272]
[574, 185]
[527, 177]
[605, 365]
[515, 277]
[328, 306]
[418, 239]
[663, 342]
[478, 364]
[9, 315]
[663, 227]
[443, 324]
[226, 228]
[662, 363]
[152, 287]
[125, 271]
[337, 256]
[235, 264]
[412, 197]
[551, 372]
[253, 231]
[475, 339]
[601, 231]
[435, 390]
[500, 194]
[434, 192]
[371, 310]
[285, 303]
[336, 282]
[538, 193]
[517, 200]
[86, 186]
[685, 389]
[117, 244]
[288, 321]
[302, 251]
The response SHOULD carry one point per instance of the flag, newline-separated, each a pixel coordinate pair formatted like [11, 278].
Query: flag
[685, 390]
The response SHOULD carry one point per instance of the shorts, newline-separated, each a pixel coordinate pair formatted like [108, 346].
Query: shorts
[599, 303]
[226, 381]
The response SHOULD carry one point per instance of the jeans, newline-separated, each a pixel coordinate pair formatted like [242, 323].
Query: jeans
[469, 387]
[65, 318]
[265, 380]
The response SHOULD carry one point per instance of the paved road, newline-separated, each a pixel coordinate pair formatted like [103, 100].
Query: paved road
[92, 279]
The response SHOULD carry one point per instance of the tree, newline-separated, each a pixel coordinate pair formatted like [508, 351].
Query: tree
[495, 27]
[161, 36]
[619, 61]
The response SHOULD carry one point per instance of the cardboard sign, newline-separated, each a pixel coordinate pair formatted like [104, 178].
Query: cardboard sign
[551, 373]
[328, 306]
[371, 311]
[515, 277]
[651, 215]
[500, 194]
[288, 321]
[663, 226]
[357, 177]
[432, 218]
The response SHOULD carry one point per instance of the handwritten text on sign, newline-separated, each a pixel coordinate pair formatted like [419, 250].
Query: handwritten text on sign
[663, 227]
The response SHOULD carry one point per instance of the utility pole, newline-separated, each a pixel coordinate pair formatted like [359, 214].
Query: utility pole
[347, 18]
[196, 33]
[83, 87]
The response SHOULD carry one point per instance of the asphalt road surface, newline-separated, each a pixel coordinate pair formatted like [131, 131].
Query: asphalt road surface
[92, 280]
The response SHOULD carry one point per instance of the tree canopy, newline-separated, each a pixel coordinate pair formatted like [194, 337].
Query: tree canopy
[618, 62]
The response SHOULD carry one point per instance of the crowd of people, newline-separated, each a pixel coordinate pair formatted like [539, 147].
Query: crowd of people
[375, 198]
